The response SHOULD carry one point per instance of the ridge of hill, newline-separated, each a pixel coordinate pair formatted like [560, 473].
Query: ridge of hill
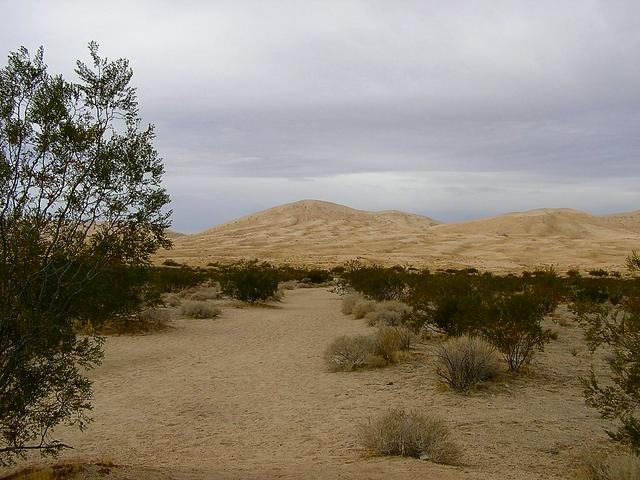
[324, 233]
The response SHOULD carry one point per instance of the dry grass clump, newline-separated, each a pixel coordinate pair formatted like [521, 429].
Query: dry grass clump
[408, 435]
[171, 299]
[196, 309]
[465, 361]
[390, 341]
[388, 313]
[368, 351]
[351, 353]
[349, 301]
[361, 308]
[618, 467]
[288, 285]
[205, 293]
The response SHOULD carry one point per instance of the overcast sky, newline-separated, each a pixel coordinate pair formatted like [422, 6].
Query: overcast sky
[451, 109]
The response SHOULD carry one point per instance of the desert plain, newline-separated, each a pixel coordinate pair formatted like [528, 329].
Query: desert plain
[247, 395]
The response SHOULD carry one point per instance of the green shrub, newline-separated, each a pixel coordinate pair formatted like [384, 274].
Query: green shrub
[408, 435]
[465, 361]
[376, 282]
[196, 309]
[515, 328]
[250, 281]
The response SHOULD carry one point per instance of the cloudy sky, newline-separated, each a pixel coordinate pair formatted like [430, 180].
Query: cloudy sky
[451, 109]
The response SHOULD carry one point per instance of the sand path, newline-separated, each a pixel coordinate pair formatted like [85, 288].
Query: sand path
[247, 395]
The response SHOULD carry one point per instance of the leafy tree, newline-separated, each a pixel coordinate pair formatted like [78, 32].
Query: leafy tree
[617, 328]
[80, 194]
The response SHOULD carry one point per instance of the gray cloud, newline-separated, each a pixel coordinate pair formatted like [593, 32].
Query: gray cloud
[525, 104]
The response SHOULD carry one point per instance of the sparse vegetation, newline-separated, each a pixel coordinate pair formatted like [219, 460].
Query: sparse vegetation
[199, 309]
[409, 435]
[464, 361]
[352, 353]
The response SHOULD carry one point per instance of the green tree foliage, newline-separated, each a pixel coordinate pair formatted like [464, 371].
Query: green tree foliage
[376, 282]
[616, 328]
[80, 199]
[250, 281]
[515, 328]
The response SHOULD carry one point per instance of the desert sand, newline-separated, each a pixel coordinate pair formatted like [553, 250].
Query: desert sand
[247, 396]
[327, 234]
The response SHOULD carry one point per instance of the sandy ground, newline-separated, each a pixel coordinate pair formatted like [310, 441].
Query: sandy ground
[247, 396]
[323, 233]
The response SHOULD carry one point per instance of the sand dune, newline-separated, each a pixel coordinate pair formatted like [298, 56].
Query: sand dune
[315, 232]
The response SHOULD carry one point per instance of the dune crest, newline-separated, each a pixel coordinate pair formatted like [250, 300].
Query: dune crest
[325, 233]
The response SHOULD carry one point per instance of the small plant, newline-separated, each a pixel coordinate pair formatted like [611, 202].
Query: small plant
[515, 328]
[598, 273]
[408, 435]
[196, 309]
[352, 353]
[205, 293]
[619, 467]
[362, 307]
[465, 361]
[390, 341]
[170, 263]
[349, 301]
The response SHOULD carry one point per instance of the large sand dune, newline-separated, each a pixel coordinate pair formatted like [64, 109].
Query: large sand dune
[314, 232]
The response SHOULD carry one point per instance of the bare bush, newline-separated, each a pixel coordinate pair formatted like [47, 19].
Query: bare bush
[349, 301]
[464, 361]
[205, 293]
[619, 467]
[408, 435]
[171, 299]
[390, 340]
[361, 308]
[351, 353]
[288, 285]
[195, 309]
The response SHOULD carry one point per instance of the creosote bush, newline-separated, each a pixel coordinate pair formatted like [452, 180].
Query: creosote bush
[409, 435]
[465, 361]
[198, 309]
[250, 281]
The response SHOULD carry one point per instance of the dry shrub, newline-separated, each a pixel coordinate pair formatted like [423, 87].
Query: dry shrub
[288, 285]
[390, 340]
[205, 293]
[408, 435]
[618, 467]
[465, 361]
[351, 353]
[362, 307]
[349, 301]
[196, 309]
[171, 299]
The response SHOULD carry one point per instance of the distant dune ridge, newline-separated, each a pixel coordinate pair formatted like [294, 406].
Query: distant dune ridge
[324, 233]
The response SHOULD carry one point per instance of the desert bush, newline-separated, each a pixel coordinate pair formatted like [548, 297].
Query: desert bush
[382, 318]
[288, 285]
[515, 328]
[465, 361]
[362, 307]
[171, 299]
[618, 467]
[205, 293]
[598, 273]
[169, 262]
[250, 281]
[349, 301]
[391, 340]
[196, 309]
[351, 353]
[376, 282]
[408, 435]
